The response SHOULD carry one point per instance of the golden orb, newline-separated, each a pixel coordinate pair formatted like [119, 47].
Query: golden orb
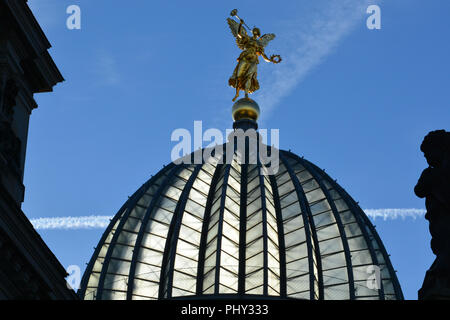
[245, 108]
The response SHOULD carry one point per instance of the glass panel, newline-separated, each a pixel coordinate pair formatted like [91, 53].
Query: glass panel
[293, 238]
[320, 207]
[292, 210]
[185, 282]
[362, 289]
[335, 276]
[352, 229]
[357, 243]
[315, 195]
[253, 283]
[211, 247]
[147, 272]
[309, 185]
[195, 209]
[340, 205]
[231, 248]
[388, 287]
[208, 280]
[254, 262]
[303, 175]
[210, 262]
[362, 273]
[331, 246]
[297, 267]
[324, 219]
[114, 295]
[228, 279]
[294, 224]
[347, 217]
[328, 232]
[133, 224]
[115, 282]
[274, 283]
[340, 292]
[191, 227]
[361, 257]
[254, 248]
[230, 231]
[187, 249]
[283, 175]
[333, 261]
[254, 219]
[231, 218]
[297, 285]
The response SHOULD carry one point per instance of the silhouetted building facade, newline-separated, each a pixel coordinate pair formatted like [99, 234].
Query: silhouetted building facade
[28, 269]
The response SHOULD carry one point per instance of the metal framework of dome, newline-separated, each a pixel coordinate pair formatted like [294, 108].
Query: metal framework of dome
[215, 230]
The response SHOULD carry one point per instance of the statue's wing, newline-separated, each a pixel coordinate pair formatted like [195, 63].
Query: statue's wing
[234, 27]
[265, 39]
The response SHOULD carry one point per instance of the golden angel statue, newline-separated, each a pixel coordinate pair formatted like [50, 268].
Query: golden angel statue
[245, 73]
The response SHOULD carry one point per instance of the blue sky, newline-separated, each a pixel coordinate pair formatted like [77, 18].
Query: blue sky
[354, 101]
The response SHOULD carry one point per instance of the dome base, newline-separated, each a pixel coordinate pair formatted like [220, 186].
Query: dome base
[245, 124]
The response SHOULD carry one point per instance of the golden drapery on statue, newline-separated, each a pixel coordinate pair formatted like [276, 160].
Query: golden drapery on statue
[245, 74]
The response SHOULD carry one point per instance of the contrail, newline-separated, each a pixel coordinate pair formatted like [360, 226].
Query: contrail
[71, 223]
[307, 42]
[101, 222]
[392, 214]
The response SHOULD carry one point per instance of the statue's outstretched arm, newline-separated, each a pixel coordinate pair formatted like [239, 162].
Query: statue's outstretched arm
[273, 58]
[265, 57]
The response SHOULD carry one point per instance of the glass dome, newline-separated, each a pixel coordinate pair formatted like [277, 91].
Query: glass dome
[216, 229]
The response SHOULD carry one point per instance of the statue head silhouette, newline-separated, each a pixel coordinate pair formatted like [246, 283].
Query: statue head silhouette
[436, 148]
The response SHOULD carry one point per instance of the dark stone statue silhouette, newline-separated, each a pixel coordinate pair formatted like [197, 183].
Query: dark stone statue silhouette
[434, 186]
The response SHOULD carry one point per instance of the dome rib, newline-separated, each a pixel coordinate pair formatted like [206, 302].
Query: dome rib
[87, 274]
[124, 210]
[311, 236]
[172, 238]
[142, 228]
[219, 235]
[206, 219]
[281, 243]
[264, 231]
[106, 264]
[242, 229]
[338, 222]
[361, 224]
[374, 235]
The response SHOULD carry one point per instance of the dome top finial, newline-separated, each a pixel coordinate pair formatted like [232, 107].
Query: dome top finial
[245, 113]
[245, 108]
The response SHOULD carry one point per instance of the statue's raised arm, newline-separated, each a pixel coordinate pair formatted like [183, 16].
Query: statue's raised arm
[238, 32]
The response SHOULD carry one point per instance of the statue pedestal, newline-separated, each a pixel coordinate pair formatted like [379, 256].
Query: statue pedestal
[435, 287]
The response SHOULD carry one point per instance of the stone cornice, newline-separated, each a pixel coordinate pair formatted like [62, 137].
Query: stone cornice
[42, 71]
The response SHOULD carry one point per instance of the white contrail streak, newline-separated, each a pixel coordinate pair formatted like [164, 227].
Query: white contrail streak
[71, 223]
[306, 42]
[101, 222]
[392, 214]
